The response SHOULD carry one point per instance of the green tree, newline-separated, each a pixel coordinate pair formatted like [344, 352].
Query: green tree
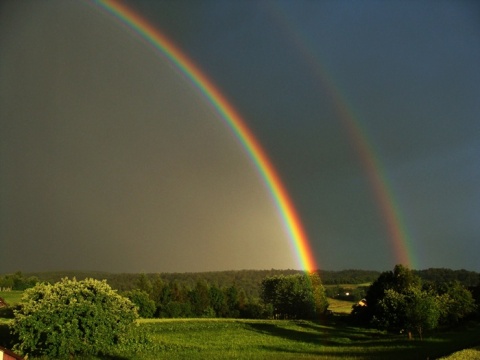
[400, 280]
[217, 301]
[456, 303]
[299, 296]
[145, 306]
[158, 287]
[18, 281]
[72, 317]
[232, 300]
[413, 310]
[144, 284]
[396, 301]
[422, 311]
[319, 294]
[200, 299]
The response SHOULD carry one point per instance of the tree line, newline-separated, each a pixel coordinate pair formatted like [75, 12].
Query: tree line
[248, 280]
[400, 300]
[296, 296]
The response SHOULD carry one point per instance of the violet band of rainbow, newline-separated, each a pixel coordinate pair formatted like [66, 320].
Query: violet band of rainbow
[231, 117]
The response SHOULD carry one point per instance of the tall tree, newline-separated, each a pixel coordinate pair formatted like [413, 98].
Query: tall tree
[299, 296]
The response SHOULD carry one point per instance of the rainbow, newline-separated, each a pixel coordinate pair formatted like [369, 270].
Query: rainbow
[233, 119]
[382, 190]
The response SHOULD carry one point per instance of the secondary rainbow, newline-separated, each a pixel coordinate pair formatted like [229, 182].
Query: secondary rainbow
[227, 112]
[358, 137]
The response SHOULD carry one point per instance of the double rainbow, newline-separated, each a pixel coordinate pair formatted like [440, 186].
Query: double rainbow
[396, 230]
[233, 119]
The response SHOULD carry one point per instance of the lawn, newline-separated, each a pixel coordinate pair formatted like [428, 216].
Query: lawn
[11, 297]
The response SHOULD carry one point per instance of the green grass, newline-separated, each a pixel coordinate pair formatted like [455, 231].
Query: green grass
[11, 297]
[280, 339]
[284, 340]
[340, 306]
[467, 354]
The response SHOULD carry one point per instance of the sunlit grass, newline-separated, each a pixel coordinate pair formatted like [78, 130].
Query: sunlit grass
[467, 354]
[283, 339]
[11, 297]
[340, 306]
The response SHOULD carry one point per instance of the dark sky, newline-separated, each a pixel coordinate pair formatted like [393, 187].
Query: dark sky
[111, 160]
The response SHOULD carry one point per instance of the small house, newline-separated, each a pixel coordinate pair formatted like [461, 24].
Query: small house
[6, 354]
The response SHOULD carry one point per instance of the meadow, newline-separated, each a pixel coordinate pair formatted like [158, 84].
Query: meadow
[332, 338]
[284, 339]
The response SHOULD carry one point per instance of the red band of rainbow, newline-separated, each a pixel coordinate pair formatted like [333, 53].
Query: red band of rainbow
[232, 118]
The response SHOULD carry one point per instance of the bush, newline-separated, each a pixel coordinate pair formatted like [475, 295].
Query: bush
[71, 318]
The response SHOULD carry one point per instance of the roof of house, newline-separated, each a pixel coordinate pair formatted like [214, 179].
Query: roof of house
[9, 354]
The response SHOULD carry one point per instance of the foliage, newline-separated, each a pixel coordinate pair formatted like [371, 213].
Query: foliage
[72, 317]
[400, 280]
[247, 280]
[398, 300]
[17, 281]
[351, 276]
[300, 296]
[422, 311]
[457, 303]
[145, 306]
[444, 276]
[346, 292]
[411, 310]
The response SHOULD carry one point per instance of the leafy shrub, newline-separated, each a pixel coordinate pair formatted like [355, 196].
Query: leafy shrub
[72, 317]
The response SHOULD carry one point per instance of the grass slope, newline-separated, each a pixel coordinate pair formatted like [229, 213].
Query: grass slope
[340, 306]
[11, 297]
[281, 339]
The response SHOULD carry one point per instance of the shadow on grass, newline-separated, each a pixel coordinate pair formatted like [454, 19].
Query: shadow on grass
[341, 340]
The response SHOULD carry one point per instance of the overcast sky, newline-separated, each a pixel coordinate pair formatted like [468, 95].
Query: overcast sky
[111, 160]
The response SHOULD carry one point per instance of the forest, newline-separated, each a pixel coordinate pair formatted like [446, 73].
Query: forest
[241, 294]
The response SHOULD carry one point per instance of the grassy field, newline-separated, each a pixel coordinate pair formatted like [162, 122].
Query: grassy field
[11, 297]
[340, 306]
[283, 340]
[239, 339]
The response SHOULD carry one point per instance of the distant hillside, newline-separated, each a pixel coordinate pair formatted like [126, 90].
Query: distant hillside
[250, 280]
[441, 275]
